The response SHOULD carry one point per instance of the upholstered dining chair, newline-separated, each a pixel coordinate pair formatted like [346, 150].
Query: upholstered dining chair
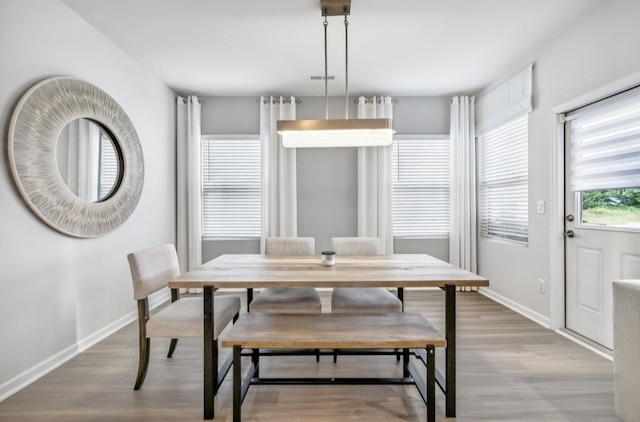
[361, 299]
[354, 300]
[288, 299]
[151, 270]
[298, 300]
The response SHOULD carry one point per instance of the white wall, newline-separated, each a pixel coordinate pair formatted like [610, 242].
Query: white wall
[327, 177]
[59, 293]
[597, 51]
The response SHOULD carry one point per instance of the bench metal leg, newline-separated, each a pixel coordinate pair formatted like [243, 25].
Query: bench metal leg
[405, 363]
[255, 359]
[237, 383]
[431, 384]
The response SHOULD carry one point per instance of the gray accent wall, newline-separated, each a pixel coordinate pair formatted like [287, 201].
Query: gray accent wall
[326, 177]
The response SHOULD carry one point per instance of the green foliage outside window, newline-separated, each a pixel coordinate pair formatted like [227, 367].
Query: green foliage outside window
[612, 208]
[611, 198]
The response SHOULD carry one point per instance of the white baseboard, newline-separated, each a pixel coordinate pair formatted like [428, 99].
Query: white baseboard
[522, 310]
[546, 323]
[39, 370]
[586, 343]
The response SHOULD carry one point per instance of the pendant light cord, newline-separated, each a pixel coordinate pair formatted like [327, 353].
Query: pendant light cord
[346, 65]
[326, 77]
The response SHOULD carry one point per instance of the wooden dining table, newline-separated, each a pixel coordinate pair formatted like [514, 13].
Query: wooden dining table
[254, 271]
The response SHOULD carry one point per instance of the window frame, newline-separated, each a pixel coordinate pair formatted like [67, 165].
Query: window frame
[484, 231]
[235, 137]
[426, 138]
[612, 119]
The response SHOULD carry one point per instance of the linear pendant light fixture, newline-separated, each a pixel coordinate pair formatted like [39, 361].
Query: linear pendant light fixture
[335, 132]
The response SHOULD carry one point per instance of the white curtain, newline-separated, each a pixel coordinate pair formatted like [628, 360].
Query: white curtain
[462, 237]
[189, 195]
[279, 196]
[375, 218]
[78, 153]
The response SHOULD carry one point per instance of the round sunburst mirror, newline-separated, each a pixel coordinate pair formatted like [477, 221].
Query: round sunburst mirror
[75, 157]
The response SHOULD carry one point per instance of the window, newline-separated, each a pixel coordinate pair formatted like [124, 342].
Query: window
[109, 165]
[503, 181]
[231, 187]
[421, 186]
[605, 161]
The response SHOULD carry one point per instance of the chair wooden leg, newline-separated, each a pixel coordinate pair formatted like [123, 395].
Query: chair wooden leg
[143, 363]
[172, 347]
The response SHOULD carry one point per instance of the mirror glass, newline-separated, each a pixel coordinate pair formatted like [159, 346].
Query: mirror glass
[88, 160]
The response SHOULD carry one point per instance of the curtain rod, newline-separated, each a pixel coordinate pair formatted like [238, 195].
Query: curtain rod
[184, 100]
[378, 100]
[299, 101]
[274, 100]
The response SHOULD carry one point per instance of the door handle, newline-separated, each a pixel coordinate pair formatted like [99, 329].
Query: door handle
[569, 233]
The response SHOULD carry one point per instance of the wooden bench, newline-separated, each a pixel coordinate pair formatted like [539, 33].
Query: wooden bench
[334, 331]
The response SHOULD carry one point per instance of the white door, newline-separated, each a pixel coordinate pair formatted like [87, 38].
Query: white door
[602, 225]
[595, 256]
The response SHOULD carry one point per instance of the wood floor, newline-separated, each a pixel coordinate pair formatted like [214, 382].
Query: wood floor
[509, 369]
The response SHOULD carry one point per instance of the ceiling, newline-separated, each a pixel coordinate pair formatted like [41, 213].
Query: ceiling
[271, 47]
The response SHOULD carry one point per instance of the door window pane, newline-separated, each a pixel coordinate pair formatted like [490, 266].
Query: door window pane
[604, 161]
[616, 208]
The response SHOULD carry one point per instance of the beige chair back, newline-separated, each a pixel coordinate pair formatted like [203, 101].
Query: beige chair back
[290, 246]
[152, 269]
[356, 246]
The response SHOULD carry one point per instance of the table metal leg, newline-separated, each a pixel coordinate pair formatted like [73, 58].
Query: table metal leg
[210, 372]
[450, 351]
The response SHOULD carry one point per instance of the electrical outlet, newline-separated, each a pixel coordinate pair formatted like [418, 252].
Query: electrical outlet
[542, 286]
[540, 207]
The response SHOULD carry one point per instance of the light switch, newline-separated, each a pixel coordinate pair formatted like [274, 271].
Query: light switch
[540, 207]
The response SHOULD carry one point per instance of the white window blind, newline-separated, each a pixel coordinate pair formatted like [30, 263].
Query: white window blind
[503, 181]
[230, 187]
[421, 180]
[605, 143]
